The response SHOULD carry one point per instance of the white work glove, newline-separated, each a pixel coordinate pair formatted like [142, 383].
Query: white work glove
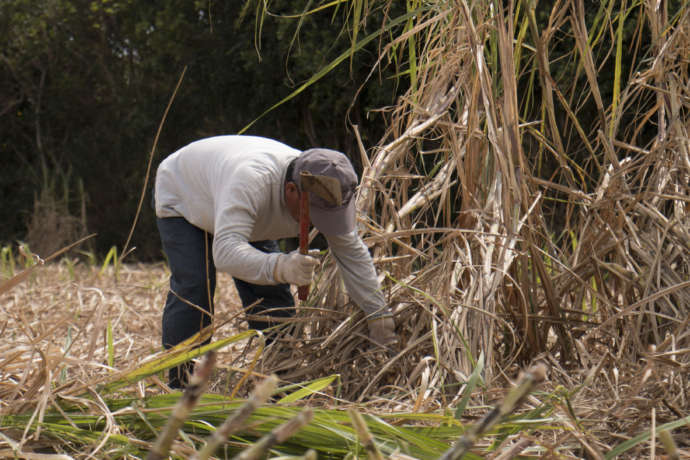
[295, 268]
[382, 330]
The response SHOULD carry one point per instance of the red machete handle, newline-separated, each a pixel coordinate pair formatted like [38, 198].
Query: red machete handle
[303, 291]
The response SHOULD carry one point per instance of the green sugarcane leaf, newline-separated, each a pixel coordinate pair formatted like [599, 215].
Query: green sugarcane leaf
[337, 61]
[643, 437]
[173, 357]
[310, 389]
[471, 385]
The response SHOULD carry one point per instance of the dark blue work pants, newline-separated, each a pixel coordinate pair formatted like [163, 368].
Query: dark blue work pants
[189, 305]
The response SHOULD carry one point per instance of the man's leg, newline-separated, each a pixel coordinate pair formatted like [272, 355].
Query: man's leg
[277, 299]
[192, 281]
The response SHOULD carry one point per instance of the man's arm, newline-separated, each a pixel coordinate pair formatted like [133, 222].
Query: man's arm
[236, 208]
[232, 253]
[358, 273]
[357, 270]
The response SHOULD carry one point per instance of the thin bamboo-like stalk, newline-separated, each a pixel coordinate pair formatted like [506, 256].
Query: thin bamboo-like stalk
[373, 453]
[278, 435]
[190, 397]
[516, 396]
[234, 423]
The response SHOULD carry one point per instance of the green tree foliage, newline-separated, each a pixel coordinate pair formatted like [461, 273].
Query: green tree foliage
[85, 83]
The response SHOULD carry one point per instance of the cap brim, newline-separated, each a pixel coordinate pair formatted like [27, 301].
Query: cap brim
[334, 221]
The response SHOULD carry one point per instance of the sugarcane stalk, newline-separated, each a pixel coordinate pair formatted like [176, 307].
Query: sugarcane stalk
[367, 440]
[191, 395]
[669, 444]
[235, 422]
[515, 397]
[278, 435]
[309, 455]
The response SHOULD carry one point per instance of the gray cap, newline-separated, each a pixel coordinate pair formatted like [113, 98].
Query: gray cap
[329, 219]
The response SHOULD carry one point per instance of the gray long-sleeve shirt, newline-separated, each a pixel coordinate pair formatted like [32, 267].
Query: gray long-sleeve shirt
[233, 187]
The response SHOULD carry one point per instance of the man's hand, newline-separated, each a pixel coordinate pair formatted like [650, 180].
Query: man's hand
[382, 330]
[295, 268]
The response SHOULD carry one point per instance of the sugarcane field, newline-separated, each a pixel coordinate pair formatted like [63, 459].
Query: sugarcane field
[345, 229]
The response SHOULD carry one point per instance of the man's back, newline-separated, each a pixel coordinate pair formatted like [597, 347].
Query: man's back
[209, 178]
